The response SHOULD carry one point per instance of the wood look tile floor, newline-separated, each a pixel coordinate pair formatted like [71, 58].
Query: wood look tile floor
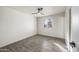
[37, 43]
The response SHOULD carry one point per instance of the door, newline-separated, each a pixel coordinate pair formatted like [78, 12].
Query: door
[75, 27]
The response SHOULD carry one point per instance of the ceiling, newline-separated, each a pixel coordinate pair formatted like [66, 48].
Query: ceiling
[47, 10]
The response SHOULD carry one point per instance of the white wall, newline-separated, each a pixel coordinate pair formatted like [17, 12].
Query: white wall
[58, 26]
[15, 25]
[67, 37]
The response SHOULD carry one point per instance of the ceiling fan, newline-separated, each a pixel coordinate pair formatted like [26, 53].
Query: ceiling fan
[39, 11]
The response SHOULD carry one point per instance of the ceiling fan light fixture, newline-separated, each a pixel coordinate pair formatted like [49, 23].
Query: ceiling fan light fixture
[39, 12]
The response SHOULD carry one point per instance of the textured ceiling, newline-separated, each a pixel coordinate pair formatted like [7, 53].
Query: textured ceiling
[47, 10]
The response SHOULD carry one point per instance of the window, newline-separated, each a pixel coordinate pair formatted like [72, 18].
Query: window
[48, 23]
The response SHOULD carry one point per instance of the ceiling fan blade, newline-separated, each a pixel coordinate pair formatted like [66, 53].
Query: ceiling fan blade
[42, 14]
[34, 13]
